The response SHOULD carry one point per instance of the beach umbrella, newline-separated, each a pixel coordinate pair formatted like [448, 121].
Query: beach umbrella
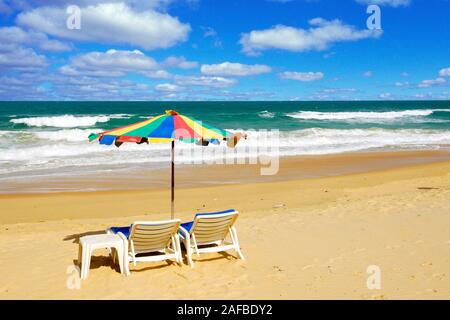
[167, 127]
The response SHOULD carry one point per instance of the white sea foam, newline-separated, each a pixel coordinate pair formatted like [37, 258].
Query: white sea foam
[266, 114]
[70, 135]
[5, 132]
[327, 141]
[52, 150]
[362, 115]
[67, 121]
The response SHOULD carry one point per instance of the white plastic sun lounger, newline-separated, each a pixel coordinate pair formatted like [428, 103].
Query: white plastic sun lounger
[208, 233]
[147, 237]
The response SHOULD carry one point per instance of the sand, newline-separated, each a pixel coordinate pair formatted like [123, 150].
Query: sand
[303, 238]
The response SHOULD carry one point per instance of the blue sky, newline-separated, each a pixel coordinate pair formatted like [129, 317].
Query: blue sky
[224, 50]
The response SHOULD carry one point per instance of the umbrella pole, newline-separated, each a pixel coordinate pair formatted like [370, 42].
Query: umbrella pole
[172, 204]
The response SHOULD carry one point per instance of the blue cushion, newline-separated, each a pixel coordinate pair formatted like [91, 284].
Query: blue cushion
[215, 141]
[188, 225]
[108, 140]
[220, 212]
[125, 230]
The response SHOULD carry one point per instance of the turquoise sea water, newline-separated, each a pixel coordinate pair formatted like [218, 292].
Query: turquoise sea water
[50, 138]
[256, 115]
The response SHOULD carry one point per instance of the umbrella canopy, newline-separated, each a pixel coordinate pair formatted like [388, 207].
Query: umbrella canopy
[163, 128]
[167, 127]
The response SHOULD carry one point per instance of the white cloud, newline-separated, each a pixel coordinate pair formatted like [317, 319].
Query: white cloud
[402, 84]
[205, 81]
[14, 36]
[430, 83]
[302, 76]
[240, 96]
[179, 62]
[385, 95]
[329, 55]
[88, 88]
[71, 71]
[117, 63]
[136, 4]
[114, 23]
[234, 69]
[338, 90]
[368, 74]
[112, 63]
[445, 72]
[168, 87]
[319, 36]
[21, 59]
[209, 32]
[157, 74]
[423, 96]
[391, 3]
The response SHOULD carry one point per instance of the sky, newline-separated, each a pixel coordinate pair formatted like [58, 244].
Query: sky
[224, 50]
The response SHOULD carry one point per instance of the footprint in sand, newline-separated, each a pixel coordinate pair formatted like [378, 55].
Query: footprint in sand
[279, 273]
[277, 268]
[439, 276]
[332, 260]
[431, 290]
[394, 246]
[307, 266]
[427, 264]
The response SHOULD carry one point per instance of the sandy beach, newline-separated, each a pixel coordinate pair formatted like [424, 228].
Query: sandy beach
[303, 237]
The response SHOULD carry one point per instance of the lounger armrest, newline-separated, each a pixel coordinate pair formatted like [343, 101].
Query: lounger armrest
[123, 237]
[184, 233]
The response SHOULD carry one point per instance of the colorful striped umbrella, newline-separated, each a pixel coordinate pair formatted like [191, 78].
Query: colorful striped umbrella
[167, 127]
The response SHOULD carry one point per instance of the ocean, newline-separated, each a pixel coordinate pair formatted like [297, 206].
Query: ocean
[50, 138]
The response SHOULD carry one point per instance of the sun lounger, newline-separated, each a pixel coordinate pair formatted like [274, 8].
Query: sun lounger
[208, 233]
[150, 241]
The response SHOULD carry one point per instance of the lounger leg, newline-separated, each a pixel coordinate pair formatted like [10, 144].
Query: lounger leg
[187, 245]
[133, 254]
[195, 245]
[178, 249]
[86, 261]
[119, 253]
[236, 243]
[80, 256]
[126, 263]
[81, 260]
[124, 257]
[84, 258]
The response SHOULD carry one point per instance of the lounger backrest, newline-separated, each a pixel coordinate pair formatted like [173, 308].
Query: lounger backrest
[148, 236]
[214, 227]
